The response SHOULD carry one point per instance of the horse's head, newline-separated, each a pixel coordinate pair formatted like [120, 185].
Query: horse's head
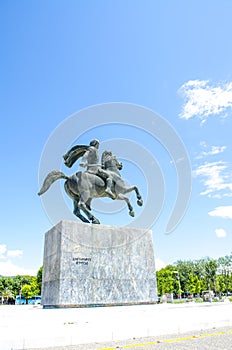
[109, 161]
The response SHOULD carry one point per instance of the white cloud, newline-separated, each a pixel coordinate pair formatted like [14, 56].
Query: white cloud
[210, 151]
[216, 150]
[2, 250]
[216, 178]
[7, 268]
[5, 253]
[159, 264]
[203, 99]
[15, 253]
[220, 233]
[222, 212]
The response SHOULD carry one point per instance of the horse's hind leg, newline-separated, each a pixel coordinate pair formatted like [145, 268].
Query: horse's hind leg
[88, 204]
[84, 205]
[91, 217]
[124, 198]
[76, 211]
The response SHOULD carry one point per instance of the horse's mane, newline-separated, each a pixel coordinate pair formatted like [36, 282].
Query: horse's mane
[106, 155]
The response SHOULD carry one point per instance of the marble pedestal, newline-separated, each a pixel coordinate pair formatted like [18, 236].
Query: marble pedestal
[91, 265]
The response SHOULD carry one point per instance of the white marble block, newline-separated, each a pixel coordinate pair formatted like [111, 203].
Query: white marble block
[90, 265]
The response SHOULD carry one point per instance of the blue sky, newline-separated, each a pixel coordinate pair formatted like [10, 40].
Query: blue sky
[171, 57]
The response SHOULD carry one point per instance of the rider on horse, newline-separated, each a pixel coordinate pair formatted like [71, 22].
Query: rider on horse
[90, 160]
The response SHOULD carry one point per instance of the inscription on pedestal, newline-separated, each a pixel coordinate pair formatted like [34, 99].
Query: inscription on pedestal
[82, 261]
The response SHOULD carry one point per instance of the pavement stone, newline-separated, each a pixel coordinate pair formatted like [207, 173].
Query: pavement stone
[32, 327]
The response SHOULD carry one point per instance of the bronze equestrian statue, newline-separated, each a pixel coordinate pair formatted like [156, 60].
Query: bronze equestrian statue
[97, 181]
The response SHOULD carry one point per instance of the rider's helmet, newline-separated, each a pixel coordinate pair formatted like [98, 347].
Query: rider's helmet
[94, 143]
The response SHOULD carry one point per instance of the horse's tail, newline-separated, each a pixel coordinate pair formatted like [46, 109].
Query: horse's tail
[50, 178]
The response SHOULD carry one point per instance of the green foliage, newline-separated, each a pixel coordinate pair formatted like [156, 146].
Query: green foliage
[210, 273]
[195, 276]
[28, 290]
[39, 278]
[5, 282]
[7, 294]
[165, 282]
[19, 281]
[191, 283]
[225, 261]
[26, 285]
[199, 286]
[220, 285]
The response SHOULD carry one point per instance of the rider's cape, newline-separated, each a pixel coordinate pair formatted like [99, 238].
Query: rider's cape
[74, 154]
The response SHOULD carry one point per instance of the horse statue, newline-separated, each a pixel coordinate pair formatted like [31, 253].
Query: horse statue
[83, 186]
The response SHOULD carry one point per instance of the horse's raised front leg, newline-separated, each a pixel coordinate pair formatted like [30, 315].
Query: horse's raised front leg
[124, 198]
[138, 195]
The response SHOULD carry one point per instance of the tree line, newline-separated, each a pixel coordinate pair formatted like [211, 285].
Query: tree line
[195, 276]
[27, 286]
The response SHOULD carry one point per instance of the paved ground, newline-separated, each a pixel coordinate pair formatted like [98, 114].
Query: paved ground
[28, 327]
[213, 339]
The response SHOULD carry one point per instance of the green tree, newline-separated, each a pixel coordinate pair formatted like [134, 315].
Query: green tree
[18, 281]
[196, 276]
[184, 268]
[225, 261]
[39, 278]
[211, 267]
[220, 284]
[6, 285]
[7, 294]
[199, 268]
[225, 270]
[199, 286]
[6, 282]
[230, 283]
[165, 280]
[191, 283]
[29, 290]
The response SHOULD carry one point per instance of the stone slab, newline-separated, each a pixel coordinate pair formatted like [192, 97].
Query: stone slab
[91, 265]
[31, 327]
